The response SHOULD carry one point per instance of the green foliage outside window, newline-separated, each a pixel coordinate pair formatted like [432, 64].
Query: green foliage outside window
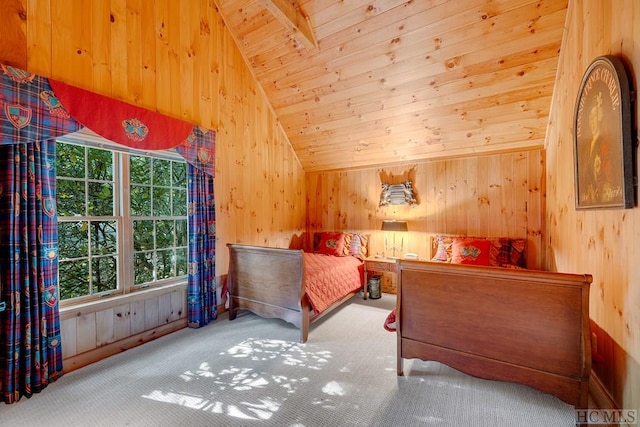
[90, 225]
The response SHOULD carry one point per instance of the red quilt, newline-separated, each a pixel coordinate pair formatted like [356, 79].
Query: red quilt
[329, 278]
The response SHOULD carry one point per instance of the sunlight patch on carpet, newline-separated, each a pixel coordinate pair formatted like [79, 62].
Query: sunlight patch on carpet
[333, 388]
[250, 390]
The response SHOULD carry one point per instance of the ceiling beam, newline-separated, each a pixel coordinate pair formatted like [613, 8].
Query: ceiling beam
[291, 17]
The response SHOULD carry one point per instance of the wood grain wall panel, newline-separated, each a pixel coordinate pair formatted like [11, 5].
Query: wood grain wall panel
[600, 242]
[68, 334]
[105, 327]
[39, 31]
[69, 47]
[483, 196]
[163, 33]
[177, 305]
[121, 322]
[13, 32]
[86, 332]
[137, 317]
[129, 15]
[147, 53]
[164, 308]
[107, 29]
[151, 313]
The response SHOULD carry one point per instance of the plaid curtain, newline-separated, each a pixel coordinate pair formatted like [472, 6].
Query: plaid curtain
[30, 346]
[30, 327]
[201, 291]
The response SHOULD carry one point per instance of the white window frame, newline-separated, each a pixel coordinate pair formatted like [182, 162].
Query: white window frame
[125, 273]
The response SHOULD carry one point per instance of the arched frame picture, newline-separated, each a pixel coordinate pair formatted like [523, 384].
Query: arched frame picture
[603, 137]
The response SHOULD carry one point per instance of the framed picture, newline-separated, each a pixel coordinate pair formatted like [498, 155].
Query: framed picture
[603, 137]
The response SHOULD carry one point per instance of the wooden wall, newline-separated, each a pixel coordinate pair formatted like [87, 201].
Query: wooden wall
[177, 58]
[94, 331]
[493, 195]
[605, 243]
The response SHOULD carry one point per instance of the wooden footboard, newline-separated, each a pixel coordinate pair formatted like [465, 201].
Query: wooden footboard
[270, 282]
[530, 327]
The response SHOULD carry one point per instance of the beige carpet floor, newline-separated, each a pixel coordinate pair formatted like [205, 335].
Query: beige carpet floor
[253, 372]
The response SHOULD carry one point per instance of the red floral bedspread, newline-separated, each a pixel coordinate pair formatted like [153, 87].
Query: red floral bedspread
[329, 278]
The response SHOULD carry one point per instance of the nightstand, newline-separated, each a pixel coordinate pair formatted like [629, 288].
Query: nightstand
[377, 265]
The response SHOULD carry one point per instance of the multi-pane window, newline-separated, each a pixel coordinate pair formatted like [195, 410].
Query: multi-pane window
[122, 220]
[159, 213]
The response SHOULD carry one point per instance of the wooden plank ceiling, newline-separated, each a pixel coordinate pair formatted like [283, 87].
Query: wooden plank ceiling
[362, 83]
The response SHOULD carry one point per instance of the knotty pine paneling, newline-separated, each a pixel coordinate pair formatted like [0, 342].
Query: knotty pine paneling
[405, 81]
[494, 195]
[13, 16]
[93, 331]
[603, 243]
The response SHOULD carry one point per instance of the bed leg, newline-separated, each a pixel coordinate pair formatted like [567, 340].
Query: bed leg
[233, 311]
[304, 328]
[400, 366]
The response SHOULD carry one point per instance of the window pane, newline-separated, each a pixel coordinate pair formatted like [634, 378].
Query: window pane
[165, 264]
[69, 160]
[100, 199]
[181, 232]
[161, 201]
[179, 174]
[143, 267]
[140, 170]
[143, 235]
[70, 198]
[104, 274]
[104, 237]
[74, 278]
[181, 261]
[179, 202]
[161, 172]
[140, 201]
[72, 239]
[100, 164]
[164, 234]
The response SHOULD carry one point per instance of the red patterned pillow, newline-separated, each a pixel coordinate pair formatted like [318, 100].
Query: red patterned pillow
[471, 251]
[331, 243]
[507, 251]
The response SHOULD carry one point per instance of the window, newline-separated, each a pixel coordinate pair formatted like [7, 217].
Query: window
[122, 220]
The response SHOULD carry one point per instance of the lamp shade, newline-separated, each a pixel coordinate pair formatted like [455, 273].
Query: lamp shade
[392, 225]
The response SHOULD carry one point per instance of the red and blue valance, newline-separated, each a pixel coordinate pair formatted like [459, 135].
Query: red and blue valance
[36, 108]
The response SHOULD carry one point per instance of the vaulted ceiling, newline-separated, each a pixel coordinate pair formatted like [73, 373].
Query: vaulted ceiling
[361, 83]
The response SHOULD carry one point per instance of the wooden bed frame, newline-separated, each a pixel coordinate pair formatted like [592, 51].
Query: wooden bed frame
[524, 326]
[270, 282]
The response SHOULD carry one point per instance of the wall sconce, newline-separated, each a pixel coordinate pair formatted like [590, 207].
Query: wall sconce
[397, 194]
[394, 227]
